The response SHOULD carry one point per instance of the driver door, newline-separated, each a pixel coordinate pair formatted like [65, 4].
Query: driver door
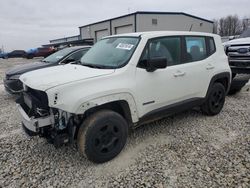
[161, 87]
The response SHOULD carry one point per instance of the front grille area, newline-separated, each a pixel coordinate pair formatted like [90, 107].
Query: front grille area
[35, 102]
[239, 55]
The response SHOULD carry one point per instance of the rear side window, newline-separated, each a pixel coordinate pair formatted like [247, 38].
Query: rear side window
[195, 48]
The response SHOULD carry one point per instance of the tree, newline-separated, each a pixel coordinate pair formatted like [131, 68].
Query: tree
[230, 25]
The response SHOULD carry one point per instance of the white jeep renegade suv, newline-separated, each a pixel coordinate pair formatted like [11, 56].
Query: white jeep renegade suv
[122, 82]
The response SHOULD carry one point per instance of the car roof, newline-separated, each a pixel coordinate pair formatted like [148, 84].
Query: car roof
[151, 34]
[78, 47]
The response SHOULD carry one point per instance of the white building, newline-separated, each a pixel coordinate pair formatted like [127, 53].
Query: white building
[146, 21]
[136, 22]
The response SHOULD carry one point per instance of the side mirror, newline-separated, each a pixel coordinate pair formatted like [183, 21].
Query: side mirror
[156, 63]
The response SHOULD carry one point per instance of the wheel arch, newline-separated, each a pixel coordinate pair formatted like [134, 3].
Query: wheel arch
[122, 103]
[224, 78]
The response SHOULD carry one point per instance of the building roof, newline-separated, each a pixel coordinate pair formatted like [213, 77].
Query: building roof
[65, 38]
[150, 12]
[75, 42]
[150, 34]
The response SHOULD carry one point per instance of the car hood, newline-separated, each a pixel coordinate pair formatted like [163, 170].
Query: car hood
[237, 41]
[47, 78]
[21, 69]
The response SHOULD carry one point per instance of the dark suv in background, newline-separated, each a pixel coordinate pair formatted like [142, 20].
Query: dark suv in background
[16, 53]
[67, 55]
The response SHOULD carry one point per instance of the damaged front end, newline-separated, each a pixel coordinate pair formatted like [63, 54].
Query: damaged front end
[57, 126]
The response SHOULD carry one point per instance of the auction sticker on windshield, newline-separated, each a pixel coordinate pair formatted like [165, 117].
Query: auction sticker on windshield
[125, 46]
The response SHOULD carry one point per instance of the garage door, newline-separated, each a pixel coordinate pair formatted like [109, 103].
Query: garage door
[124, 29]
[101, 33]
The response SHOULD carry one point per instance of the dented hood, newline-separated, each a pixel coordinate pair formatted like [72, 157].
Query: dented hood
[47, 78]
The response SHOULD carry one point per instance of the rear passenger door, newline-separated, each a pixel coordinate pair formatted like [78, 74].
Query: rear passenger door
[196, 67]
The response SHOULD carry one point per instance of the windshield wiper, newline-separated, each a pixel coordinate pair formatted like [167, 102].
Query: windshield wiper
[76, 62]
[92, 65]
[96, 66]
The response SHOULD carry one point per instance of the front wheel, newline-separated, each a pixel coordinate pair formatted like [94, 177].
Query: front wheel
[215, 100]
[102, 136]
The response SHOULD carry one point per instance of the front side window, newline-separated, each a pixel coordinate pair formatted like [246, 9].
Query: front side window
[196, 48]
[111, 52]
[165, 47]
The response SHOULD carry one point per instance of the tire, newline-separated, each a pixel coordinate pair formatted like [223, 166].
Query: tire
[102, 136]
[215, 100]
[233, 91]
[236, 86]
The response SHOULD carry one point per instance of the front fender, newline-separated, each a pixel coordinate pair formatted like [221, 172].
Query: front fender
[82, 108]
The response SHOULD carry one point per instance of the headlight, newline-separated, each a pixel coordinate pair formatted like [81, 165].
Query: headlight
[14, 77]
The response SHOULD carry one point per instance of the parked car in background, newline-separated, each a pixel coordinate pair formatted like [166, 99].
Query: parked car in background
[40, 52]
[14, 86]
[124, 81]
[16, 53]
[238, 52]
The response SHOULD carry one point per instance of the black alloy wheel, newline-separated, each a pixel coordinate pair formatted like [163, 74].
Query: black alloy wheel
[215, 100]
[102, 136]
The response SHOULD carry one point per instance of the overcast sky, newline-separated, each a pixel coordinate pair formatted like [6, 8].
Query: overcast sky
[26, 24]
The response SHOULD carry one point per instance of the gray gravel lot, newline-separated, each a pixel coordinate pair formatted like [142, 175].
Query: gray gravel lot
[185, 150]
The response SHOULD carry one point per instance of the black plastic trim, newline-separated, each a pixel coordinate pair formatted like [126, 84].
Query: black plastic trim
[241, 70]
[149, 102]
[170, 110]
[217, 77]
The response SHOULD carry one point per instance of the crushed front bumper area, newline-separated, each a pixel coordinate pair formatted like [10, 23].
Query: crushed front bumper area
[34, 124]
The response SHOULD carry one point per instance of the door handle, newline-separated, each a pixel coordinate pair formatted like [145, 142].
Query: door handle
[179, 73]
[209, 67]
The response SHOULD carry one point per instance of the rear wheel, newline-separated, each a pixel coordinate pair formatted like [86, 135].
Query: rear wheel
[215, 100]
[102, 136]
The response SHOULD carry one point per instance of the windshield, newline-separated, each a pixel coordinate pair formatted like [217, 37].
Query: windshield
[110, 52]
[57, 56]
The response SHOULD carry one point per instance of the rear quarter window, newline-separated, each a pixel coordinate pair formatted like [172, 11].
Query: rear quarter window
[211, 45]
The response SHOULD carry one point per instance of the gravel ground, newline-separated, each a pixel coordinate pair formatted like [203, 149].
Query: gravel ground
[185, 150]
